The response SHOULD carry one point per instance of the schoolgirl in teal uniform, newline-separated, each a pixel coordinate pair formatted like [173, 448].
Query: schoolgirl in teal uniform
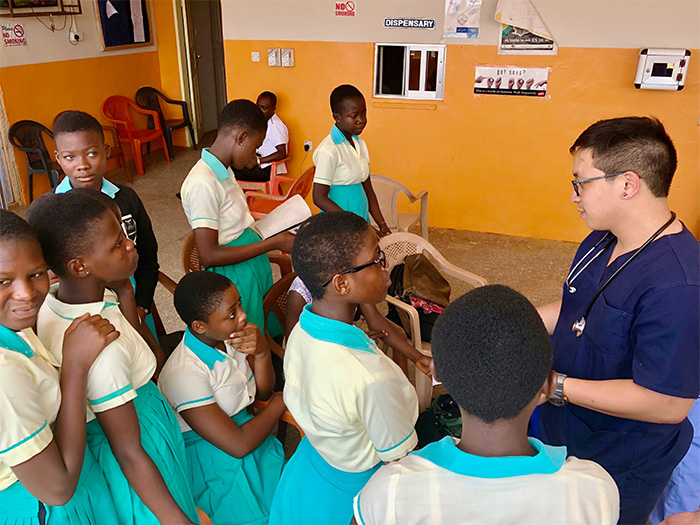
[216, 209]
[342, 181]
[132, 431]
[211, 380]
[46, 474]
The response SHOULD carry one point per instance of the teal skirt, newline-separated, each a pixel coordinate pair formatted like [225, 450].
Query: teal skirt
[313, 491]
[90, 505]
[253, 278]
[351, 198]
[162, 440]
[233, 491]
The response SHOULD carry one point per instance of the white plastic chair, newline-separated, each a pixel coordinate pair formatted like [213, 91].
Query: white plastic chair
[388, 191]
[396, 247]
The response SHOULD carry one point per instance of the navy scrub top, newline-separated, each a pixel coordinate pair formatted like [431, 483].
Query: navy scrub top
[644, 327]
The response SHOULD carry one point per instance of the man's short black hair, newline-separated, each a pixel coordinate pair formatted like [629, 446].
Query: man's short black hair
[242, 115]
[326, 244]
[66, 224]
[638, 144]
[74, 121]
[340, 94]
[492, 352]
[199, 294]
[14, 228]
[270, 96]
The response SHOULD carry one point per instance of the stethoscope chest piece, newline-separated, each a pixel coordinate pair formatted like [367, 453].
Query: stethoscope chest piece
[579, 326]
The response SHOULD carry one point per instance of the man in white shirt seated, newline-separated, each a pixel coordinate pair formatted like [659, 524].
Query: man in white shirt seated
[493, 354]
[274, 147]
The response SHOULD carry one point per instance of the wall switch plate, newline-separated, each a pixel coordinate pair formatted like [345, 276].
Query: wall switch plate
[273, 57]
[255, 56]
[75, 37]
[287, 55]
[308, 145]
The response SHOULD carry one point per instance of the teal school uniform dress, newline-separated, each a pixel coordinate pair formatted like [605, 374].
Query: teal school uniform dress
[30, 397]
[122, 373]
[344, 168]
[231, 491]
[213, 199]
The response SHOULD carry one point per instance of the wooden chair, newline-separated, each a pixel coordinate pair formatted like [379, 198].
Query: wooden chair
[396, 247]
[273, 186]
[388, 192]
[260, 204]
[28, 137]
[149, 98]
[192, 263]
[117, 109]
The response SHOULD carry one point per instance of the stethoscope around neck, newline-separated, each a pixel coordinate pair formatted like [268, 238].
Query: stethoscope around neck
[580, 325]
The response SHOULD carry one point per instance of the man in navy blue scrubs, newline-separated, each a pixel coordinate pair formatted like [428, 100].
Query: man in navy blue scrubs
[626, 330]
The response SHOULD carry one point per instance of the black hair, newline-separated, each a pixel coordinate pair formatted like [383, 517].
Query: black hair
[340, 94]
[73, 121]
[492, 352]
[242, 115]
[326, 244]
[66, 224]
[199, 294]
[638, 144]
[270, 95]
[14, 228]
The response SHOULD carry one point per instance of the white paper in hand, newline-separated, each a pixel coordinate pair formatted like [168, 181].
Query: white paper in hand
[286, 217]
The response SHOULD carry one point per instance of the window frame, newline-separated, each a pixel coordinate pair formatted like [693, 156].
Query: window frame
[409, 94]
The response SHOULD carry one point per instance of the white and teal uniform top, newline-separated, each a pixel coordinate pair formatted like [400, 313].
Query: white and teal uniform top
[338, 163]
[197, 375]
[123, 366]
[30, 396]
[440, 484]
[213, 199]
[354, 404]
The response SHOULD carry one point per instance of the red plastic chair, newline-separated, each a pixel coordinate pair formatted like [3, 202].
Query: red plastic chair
[117, 109]
[260, 204]
[273, 186]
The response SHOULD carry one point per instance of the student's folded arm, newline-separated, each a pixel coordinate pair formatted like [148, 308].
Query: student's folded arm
[215, 426]
[121, 426]
[278, 155]
[550, 315]
[211, 254]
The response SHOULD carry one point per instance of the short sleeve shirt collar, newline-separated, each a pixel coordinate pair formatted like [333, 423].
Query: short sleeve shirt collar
[108, 188]
[215, 165]
[445, 454]
[208, 355]
[71, 311]
[12, 341]
[338, 137]
[332, 331]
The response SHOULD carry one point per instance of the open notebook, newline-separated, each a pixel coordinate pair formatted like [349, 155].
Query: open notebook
[288, 216]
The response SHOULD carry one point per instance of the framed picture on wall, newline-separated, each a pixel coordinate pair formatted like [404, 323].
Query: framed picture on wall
[124, 23]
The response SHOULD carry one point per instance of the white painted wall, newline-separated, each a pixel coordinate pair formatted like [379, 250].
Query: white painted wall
[574, 23]
[45, 46]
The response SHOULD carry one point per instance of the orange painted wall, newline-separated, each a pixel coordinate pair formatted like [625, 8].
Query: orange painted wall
[491, 163]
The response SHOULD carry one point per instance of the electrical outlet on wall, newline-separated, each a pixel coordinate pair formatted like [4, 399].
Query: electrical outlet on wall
[308, 145]
[75, 37]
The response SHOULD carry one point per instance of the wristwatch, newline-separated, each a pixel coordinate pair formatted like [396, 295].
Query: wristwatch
[559, 399]
[258, 160]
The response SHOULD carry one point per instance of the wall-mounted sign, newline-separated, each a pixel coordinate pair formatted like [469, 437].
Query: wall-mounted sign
[410, 23]
[14, 35]
[514, 81]
[345, 8]
[462, 18]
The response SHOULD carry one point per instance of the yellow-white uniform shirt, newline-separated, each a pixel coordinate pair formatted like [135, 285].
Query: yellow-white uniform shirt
[196, 375]
[123, 366]
[338, 163]
[442, 485]
[30, 396]
[276, 135]
[354, 404]
[213, 199]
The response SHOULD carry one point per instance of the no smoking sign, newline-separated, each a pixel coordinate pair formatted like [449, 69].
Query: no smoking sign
[345, 8]
[14, 35]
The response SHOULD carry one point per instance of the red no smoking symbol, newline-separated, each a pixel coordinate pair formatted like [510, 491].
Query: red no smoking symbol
[19, 31]
[350, 6]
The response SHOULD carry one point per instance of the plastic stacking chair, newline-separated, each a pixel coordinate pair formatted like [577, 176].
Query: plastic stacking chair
[192, 263]
[260, 204]
[396, 247]
[117, 109]
[388, 191]
[148, 98]
[27, 136]
[273, 186]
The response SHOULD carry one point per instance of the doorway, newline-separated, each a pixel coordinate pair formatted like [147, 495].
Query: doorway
[203, 72]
